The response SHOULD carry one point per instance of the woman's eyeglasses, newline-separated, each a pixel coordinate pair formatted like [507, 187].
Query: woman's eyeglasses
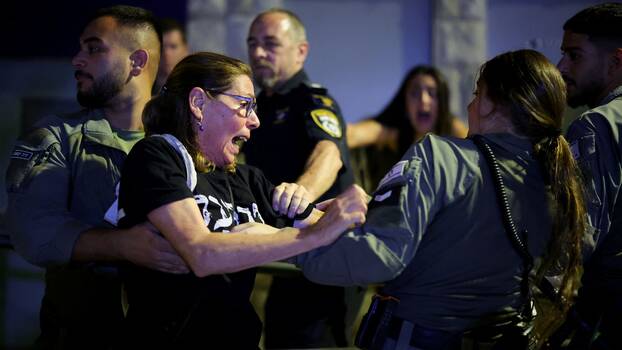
[249, 103]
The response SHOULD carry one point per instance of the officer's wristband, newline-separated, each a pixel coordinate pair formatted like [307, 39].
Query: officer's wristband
[305, 213]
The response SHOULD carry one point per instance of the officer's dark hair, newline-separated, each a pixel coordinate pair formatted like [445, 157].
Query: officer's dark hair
[132, 17]
[297, 31]
[397, 107]
[146, 33]
[169, 111]
[602, 24]
[532, 90]
[171, 25]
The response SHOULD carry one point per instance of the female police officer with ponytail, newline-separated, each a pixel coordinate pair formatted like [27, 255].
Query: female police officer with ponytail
[453, 242]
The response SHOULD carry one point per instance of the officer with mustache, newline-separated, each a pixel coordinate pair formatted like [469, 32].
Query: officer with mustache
[302, 139]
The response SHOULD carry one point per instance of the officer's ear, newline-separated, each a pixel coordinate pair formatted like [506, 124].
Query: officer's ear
[615, 62]
[138, 60]
[302, 51]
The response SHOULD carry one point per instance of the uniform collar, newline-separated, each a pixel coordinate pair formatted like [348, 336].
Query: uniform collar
[520, 147]
[617, 92]
[294, 81]
[97, 129]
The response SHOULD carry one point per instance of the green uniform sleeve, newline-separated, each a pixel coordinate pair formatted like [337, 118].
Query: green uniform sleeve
[380, 249]
[428, 177]
[38, 186]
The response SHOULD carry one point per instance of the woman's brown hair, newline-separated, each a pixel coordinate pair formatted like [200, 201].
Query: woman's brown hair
[169, 111]
[532, 89]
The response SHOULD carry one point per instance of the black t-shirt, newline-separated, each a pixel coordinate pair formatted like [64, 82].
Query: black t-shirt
[293, 121]
[154, 175]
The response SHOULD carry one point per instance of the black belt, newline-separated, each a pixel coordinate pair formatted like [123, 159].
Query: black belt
[423, 337]
[429, 338]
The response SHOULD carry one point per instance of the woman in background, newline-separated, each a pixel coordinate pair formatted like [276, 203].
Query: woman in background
[420, 106]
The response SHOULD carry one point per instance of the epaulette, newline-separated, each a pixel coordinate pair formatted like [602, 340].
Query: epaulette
[41, 137]
[58, 120]
[320, 96]
[73, 115]
[315, 87]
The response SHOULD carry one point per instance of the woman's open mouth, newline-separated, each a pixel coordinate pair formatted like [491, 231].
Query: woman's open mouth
[239, 141]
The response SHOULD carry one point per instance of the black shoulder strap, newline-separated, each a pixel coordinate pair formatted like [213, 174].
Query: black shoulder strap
[518, 242]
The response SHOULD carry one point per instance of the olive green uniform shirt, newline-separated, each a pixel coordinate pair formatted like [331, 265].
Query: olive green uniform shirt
[60, 181]
[434, 233]
[596, 145]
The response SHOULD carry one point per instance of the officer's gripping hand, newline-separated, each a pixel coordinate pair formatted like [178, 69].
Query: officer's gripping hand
[142, 245]
[290, 199]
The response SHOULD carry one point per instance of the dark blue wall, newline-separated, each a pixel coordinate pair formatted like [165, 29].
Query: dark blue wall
[31, 29]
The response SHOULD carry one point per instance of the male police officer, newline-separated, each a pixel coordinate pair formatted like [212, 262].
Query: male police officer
[174, 49]
[591, 66]
[302, 140]
[62, 178]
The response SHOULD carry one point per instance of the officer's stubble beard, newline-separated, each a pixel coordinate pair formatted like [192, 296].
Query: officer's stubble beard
[103, 90]
[588, 91]
[588, 94]
[266, 83]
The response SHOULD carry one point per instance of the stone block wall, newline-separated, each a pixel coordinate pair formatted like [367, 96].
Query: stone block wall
[459, 47]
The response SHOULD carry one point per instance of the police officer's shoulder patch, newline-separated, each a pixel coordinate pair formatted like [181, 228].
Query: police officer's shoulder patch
[21, 154]
[388, 190]
[395, 176]
[30, 150]
[327, 121]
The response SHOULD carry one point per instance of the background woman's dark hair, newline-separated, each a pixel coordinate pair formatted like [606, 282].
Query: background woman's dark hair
[397, 107]
[532, 89]
[169, 111]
